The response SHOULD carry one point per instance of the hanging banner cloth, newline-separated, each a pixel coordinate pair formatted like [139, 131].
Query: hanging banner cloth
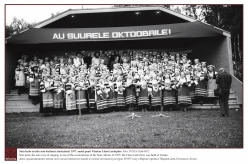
[66, 35]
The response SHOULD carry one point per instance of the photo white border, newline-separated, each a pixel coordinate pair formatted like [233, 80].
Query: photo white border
[203, 155]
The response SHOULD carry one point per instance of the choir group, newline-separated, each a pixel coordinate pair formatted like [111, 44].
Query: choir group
[108, 81]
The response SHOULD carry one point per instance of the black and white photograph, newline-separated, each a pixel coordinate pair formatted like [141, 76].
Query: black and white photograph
[124, 76]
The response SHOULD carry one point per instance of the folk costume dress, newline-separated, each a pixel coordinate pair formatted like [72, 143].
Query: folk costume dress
[211, 83]
[26, 72]
[47, 96]
[101, 102]
[112, 95]
[143, 99]
[120, 100]
[20, 77]
[169, 96]
[70, 97]
[156, 97]
[183, 92]
[130, 92]
[92, 94]
[80, 91]
[34, 86]
[58, 98]
[201, 87]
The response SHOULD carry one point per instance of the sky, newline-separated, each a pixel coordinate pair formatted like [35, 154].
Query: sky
[38, 13]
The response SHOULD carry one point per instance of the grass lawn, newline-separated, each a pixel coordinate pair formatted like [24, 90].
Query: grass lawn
[191, 129]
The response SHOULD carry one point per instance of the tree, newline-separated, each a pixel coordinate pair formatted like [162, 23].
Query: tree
[17, 26]
[227, 17]
[53, 15]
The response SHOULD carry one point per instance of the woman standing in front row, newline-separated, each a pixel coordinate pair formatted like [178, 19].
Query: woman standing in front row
[169, 96]
[183, 92]
[19, 77]
[143, 99]
[34, 85]
[211, 86]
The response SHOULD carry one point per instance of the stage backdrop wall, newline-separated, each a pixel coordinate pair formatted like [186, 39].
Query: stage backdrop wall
[10, 65]
[213, 51]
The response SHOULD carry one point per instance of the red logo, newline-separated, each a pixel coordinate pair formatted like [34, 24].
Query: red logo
[10, 154]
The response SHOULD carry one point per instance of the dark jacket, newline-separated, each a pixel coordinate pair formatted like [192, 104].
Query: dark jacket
[224, 80]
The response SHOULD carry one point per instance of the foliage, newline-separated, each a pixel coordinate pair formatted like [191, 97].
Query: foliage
[54, 14]
[17, 26]
[227, 17]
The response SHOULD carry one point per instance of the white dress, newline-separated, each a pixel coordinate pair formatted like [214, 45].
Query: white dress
[20, 77]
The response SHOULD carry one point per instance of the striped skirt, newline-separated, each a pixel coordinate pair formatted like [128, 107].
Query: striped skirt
[34, 88]
[143, 98]
[192, 91]
[211, 87]
[58, 100]
[92, 101]
[47, 99]
[201, 89]
[169, 97]
[70, 101]
[120, 100]
[156, 99]
[101, 103]
[184, 95]
[81, 101]
[130, 97]
[112, 99]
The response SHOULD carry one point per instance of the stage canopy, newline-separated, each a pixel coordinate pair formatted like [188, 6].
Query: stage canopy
[112, 24]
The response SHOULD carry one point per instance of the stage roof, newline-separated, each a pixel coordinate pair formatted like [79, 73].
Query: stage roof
[129, 23]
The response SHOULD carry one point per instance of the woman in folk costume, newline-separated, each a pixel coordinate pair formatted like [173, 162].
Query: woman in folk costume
[101, 102]
[148, 78]
[169, 96]
[204, 67]
[190, 75]
[46, 60]
[78, 60]
[96, 58]
[34, 84]
[125, 56]
[130, 93]
[19, 77]
[156, 94]
[46, 94]
[70, 67]
[112, 94]
[47, 65]
[201, 87]
[115, 61]
[35, 61]
[70, 96]
[120, 88]
[55, 60]
[143, 99]
[62, 67]
[58, 93]
[184, 98]
[26, 72]
[178, 59]
[212, 75]
[80, 90]
[92, 91]
[196, 65]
